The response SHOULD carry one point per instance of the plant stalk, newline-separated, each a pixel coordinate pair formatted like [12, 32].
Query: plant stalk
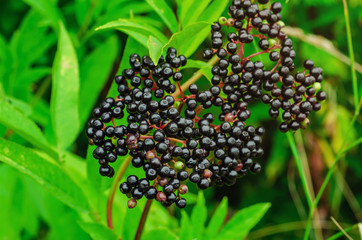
[143, 219]
[114, 187]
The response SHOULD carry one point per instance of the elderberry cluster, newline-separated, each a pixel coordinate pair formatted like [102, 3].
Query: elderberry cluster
[202, 137]
[295, 94]
[165, 136]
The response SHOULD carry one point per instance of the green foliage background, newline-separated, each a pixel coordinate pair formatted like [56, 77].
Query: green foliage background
[54, 68]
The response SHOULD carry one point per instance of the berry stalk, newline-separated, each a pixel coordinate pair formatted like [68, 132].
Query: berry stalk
[194, 78]
[114, 187]
[143, 219]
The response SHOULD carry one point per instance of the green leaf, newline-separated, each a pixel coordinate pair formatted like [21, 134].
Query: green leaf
[46, 173]
[94, 72]
[278, 157]
[213, 11]
[32, 75]
[155, 48]
[98, 231]
[183, 42]
[186, 231]
[48, 9]
[183, 8]
[198, 217]
[162, 233]
[206, 71]
[194, 11]
[243, 221]
[65, 90]
[217, 219]
[132, 219]
[140, 31]
[165, 12]
[20, 105]
[27, 129]
[81, 10]
[196, 64]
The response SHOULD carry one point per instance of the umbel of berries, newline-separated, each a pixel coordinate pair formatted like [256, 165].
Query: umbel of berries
[203, 137]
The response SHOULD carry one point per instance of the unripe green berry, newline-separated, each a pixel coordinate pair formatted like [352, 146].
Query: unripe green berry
[281, 24]
[179, 165]
[317, 86]
[271, 42]
[222, 20]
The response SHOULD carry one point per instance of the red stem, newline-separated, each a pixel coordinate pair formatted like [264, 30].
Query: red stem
[114, 187]
[143, 219]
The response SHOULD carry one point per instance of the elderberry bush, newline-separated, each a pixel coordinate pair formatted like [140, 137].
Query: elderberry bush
[203, 137]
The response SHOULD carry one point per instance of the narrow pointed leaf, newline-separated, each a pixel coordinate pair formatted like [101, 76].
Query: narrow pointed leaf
[65, 87]
[213, 11]
[217, 219]
[194, 12]
[186, 231]
[161, 233]
[185, 41]
[98, 231]
[135, 29]
[198, 217]
[243, 221]
[46, 173]
[165, 12]
[10, 116]
[155, 48]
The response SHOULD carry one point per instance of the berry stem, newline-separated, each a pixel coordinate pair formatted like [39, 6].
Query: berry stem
[115, 182]
[143, 219]
[241, 51]
[182, 93]
[171, 139]
[194, 78]
[275, 67]
[259, 53]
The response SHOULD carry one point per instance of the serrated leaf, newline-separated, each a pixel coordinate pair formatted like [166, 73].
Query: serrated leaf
[46, 173]
[65, 91]
[155, 48]
[94, 72]
[165, 12]
[217, 219]
[27, 129]
[198, 217]
[243, 221]
[98, 231]
[140, 31]
[186, 231]
[162, 233]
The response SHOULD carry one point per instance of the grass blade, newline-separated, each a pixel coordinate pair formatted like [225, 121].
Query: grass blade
[351, 56]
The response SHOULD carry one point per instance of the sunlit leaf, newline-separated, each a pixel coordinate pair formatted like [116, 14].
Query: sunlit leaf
[48, 174]
[243, 221]
[65, 91]
[165, 12]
